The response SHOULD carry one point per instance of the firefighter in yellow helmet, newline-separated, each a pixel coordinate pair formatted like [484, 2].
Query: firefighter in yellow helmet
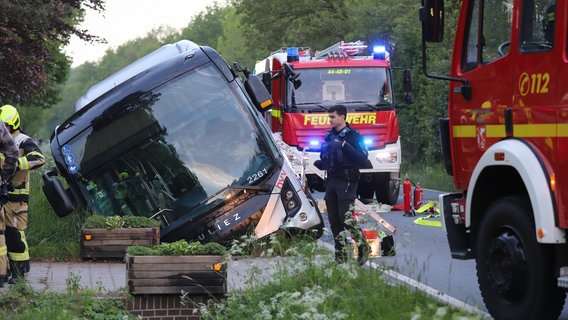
[9, 156]
[16, 206]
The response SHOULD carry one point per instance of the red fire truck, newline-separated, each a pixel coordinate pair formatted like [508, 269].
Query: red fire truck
[305, 86]
[505, 142]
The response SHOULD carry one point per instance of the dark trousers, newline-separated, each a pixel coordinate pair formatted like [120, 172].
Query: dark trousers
[340, 194]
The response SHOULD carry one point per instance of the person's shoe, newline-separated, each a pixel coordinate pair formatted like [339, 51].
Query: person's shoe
[15, 279]
[363, 251]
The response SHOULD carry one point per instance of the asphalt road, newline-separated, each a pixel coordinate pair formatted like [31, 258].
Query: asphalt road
[423, 254]
[423, 260]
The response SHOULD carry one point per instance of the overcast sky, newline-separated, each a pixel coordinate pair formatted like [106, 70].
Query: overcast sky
[125, 20]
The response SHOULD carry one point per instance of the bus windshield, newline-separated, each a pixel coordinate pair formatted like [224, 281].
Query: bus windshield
[368, 85]
[168, 152]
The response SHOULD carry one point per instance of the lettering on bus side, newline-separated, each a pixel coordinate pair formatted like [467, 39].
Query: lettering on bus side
[280, 183]
[226, 223]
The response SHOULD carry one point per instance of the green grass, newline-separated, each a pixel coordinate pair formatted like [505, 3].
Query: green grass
[22, 302]
[307, 285]
[49, 236]
[430, 176]
[310, 285]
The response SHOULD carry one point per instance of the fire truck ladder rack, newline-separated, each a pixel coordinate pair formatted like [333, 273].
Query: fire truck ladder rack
[303, 51]
[347, 48]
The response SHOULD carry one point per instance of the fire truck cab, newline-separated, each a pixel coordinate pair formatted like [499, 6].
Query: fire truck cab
[505, 141]
[305, 86]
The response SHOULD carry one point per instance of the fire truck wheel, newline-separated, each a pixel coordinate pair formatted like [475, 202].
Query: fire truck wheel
[365, 189]
[387, 187]
[515, 273]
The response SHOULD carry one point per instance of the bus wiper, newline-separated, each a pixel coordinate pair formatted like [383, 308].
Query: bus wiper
[262, 187]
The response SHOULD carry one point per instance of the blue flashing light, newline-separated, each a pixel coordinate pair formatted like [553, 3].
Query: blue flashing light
[379, 52]
[368, 141]
[293, 54]
[314, 143]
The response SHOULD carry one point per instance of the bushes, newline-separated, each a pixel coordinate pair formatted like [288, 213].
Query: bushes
[178, 248]
[112, 222]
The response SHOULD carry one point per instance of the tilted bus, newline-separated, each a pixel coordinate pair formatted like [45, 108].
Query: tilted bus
[176, 136]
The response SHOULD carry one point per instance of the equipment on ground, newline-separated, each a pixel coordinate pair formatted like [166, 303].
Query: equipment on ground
[407, 195]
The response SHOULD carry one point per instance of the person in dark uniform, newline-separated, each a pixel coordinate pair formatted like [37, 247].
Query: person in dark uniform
[343, 153]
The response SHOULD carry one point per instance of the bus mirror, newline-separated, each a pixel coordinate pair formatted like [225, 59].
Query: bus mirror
[258, 93]
[407, 85]
[432, 17]
[57, 196]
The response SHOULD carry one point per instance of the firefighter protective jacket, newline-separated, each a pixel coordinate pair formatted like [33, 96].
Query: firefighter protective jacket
[30, 157]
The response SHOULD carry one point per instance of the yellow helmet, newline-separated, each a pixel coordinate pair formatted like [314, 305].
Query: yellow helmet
[9, 115]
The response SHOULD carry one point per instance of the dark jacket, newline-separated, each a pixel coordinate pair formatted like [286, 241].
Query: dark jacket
[337, 157]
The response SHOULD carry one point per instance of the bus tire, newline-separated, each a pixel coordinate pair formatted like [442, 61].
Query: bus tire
[515, 273]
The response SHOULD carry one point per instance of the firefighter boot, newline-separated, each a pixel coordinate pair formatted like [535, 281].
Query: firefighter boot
[17, 270]
[3, 259]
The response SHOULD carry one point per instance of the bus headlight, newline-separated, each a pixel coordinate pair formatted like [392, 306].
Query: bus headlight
[289, 198]
[386, 157]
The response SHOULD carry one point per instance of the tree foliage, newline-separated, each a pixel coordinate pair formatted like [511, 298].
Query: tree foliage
[32, 35]
[248, 30]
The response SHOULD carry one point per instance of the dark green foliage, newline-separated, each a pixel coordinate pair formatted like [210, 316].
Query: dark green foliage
[95, 222]
[143, 251]
[178, 248]
[33, 34]
[140, 222]
[247, 31]
[98, 221]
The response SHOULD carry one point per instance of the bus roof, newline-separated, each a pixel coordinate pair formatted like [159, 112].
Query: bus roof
[155, 57]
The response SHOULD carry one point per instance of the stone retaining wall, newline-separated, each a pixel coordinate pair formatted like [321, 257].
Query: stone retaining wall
[166, 307]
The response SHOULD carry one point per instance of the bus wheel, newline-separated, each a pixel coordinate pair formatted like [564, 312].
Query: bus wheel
[515, 273]
[387, 187]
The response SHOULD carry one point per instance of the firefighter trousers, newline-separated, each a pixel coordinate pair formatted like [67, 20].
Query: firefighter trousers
[3, 249]
[16, 224]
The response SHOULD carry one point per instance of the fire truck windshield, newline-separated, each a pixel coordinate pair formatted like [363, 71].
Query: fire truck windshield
[325, 86]
[170, 149]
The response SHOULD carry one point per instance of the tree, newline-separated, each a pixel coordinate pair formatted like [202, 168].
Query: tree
[32, 35]
[274, 24]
